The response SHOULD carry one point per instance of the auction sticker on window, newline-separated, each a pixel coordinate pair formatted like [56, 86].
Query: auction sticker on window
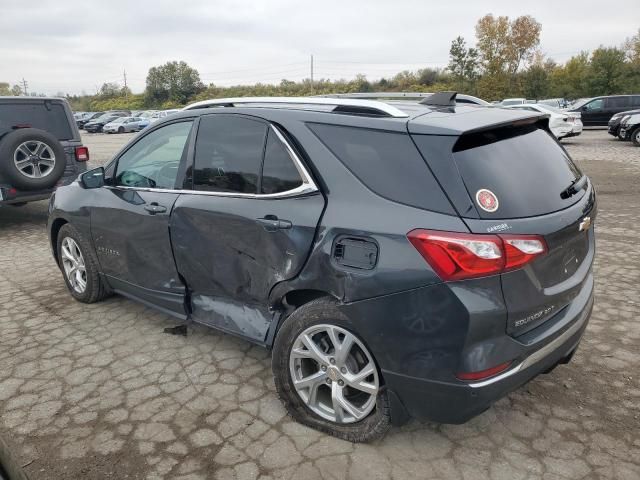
[487, 200]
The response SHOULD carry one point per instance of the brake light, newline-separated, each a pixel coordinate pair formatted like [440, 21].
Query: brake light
[82, 154]
[481, 375]
[457, 256]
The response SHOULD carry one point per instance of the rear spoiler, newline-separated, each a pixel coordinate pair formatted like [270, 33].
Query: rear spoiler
[496, 132]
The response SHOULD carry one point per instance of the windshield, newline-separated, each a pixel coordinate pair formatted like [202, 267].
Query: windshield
[120, 120]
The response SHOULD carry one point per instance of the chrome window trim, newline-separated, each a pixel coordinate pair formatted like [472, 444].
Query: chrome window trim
[308, 185]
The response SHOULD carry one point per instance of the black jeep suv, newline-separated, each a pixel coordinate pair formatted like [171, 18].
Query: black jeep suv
[40, 148]
[400, 259]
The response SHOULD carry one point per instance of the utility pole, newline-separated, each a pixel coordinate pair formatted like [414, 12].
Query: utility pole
[126, 92]
[312, 75]
[24, 86]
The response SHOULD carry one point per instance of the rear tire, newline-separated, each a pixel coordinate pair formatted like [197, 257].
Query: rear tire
[323, 316]
[31, 159]
[79, 266]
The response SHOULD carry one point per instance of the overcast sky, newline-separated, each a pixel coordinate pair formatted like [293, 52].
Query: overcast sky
[76, 45]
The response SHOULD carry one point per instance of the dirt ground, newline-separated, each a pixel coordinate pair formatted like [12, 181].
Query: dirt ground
[98, 391]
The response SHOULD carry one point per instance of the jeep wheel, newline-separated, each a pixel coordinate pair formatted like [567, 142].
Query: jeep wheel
[31, 159]
[326, 376]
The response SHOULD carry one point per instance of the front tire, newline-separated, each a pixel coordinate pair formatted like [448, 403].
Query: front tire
[121, 130]
[326, 376]
[79, 266]
[635, 137]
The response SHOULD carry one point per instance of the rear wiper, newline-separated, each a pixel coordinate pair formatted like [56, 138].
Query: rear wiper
[577, 185]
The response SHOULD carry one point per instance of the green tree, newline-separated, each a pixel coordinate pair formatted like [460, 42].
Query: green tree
[571, 79]
[174, 81]
[109, 90]
[463, 62]
[607, 72]
[7, 91]
[535, 80]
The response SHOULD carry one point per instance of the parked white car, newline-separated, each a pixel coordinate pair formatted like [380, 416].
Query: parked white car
[162, 114]
[513, 101]
[561, 124]
[123, 125]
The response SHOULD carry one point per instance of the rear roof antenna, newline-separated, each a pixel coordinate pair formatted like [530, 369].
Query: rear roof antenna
[441, 99]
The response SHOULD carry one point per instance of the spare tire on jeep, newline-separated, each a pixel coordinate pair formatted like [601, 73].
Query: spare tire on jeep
[31, 159]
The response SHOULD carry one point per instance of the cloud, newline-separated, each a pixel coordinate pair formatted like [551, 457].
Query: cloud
[74, 46]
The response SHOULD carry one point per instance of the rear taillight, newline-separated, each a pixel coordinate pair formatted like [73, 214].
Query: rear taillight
[457, 256]
[82, 154]
[520, 250]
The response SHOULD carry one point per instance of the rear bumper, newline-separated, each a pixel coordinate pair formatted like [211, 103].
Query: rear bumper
[7, 198]
[456, 401]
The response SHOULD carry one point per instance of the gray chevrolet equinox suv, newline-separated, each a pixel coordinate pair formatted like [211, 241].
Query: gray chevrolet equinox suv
[40, 148]
[400, 259]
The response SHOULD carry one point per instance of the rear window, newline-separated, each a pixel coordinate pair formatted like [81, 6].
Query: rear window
[48, 116]
[388, 163]
[524, 167]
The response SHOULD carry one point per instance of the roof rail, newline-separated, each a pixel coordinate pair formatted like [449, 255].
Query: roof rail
[353, 106]
[372, 95]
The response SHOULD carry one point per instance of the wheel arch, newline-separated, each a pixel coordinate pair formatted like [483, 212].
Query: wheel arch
[56, 225]
[289, 303]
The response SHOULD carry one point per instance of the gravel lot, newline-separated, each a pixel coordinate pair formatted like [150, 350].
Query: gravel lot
[98, 391]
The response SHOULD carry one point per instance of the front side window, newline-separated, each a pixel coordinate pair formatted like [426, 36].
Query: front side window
[228, 154]
[153, 161]
[595, 105]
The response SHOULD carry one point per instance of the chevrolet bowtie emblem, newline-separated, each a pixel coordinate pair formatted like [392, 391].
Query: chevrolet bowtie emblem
[585, 224]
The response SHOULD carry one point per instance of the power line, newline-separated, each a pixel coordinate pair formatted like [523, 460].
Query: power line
[271, 67]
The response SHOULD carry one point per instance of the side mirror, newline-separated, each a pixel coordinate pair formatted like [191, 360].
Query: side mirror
[93, 178]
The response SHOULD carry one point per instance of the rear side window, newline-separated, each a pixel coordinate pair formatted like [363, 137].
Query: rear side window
[388, 163]
[48, 116]
[618, 102]
[524, 167]
[279, 174]
[635, 101]
[228, 154]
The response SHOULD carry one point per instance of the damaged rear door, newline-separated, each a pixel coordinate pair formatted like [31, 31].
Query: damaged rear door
[248, 223]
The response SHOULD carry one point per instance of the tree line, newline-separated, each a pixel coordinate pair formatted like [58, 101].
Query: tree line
[505, 61]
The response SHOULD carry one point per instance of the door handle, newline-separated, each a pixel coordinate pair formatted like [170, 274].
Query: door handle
[271, 223]
[154, 208]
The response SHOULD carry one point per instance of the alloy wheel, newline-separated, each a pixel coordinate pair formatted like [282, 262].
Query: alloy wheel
[334, 374]
[73, 264]
[34, 159]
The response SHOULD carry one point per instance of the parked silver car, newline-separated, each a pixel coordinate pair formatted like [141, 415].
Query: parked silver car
[123, 125]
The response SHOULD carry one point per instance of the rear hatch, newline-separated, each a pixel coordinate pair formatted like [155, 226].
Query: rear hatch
[515, 179]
